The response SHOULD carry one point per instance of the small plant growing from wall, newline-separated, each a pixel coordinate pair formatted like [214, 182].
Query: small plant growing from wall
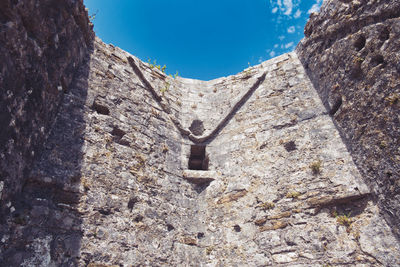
[165, 88]
[150, 64]
[176, 75]
[154, 65]
[316, 167]
[343, 219]
[293, 194]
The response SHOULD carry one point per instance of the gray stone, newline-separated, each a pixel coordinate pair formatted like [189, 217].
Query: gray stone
[384, 250]
[1, 188]
[351, 56]
[111, 185]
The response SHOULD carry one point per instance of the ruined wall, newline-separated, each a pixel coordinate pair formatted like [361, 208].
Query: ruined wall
[113, 187]
[108, 183]
[351, 54]
[41, 45]
[266, 206]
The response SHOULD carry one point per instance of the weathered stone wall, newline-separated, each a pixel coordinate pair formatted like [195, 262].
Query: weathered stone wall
[42, 42]
[107, 188]
[115, 189]
[351, 53]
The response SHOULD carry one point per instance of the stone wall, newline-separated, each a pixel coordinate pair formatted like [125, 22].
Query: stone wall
[42, 42]
[107, 184]
[351, 54]
[115, 187]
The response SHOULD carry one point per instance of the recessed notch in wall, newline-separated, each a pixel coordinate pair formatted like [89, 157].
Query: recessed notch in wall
[198, 159]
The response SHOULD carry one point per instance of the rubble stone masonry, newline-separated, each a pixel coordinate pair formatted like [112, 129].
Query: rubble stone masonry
[289, 163]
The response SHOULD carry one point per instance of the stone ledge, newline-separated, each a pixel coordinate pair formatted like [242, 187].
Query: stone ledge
[199, 177]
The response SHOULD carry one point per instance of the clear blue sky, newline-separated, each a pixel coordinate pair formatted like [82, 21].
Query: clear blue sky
[202, 39]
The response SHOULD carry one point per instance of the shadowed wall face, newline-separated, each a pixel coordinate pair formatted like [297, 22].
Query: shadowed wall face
[351, 54]
[41, 45]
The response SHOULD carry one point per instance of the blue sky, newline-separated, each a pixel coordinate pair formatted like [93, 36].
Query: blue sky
[203, 39]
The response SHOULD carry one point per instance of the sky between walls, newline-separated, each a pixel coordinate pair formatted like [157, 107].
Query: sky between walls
[203, 39]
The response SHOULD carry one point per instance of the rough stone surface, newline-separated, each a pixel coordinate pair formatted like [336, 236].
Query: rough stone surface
[112, 186]
[351, 54]
[41, 44]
